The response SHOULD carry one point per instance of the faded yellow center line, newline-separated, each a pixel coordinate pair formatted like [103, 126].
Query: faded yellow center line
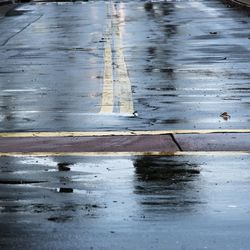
[107, 94]
[108, 89]
[123, 82]
[124, 94]
[125, 154]
[117, 133]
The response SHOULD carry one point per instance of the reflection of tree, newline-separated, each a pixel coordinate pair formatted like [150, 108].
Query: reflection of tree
[6, 113]
[162, 64]
[165, 8]
[160, 55]
[166, 183]
[161, 15]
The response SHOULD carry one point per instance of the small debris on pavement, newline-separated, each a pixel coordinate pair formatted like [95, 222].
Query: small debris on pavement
[225, 116]
[63, 166]
[59, 219]
[135, 114]
[148, 6]
[65, 190]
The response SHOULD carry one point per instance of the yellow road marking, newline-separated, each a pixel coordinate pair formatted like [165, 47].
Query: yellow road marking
[123, 81]
[107, 94]
[126, 154]
[117, 133]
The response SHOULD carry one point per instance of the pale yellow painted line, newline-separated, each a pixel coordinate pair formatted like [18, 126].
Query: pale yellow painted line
[125, 154]
[126, 97]
[107, 105]
[117, 133]
[107, 94]
[123, 82]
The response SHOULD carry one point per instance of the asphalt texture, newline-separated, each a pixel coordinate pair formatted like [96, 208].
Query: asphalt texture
[125, 67]
[5, 7]
[242, 3]
[125, 203]
[185, 68]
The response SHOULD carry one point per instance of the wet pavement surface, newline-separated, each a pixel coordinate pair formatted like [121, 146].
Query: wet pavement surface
[129, 66]
[185, 68]
[189, 202]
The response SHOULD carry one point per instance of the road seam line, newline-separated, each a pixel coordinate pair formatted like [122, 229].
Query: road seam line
[176, 142]
[25, 27]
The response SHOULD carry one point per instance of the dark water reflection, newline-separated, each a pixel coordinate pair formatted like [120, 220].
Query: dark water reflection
[159, 57]
[167, 184]
[161, 13]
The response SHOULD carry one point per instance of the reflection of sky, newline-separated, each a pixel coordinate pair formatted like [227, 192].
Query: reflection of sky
[165, 198]
[126, 188]
[143, 186]
[204, 48]
[53, 75]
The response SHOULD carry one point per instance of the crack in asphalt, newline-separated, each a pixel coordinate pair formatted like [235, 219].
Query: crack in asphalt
[21, 30]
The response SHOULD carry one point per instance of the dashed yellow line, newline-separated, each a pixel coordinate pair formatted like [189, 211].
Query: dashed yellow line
[118, 133]
[126, 154]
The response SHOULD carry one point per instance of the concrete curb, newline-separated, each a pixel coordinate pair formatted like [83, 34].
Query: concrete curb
[170, 144]
[243, 4]
[6, 6]
[5, 2]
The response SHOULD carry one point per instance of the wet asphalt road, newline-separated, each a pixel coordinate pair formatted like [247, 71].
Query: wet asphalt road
[185, 67]
[187, 62]
[125, 203]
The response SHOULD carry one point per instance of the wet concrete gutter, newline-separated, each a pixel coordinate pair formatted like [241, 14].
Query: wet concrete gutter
[166, 143]
[6, 6]
[3, 2]
[239, 3]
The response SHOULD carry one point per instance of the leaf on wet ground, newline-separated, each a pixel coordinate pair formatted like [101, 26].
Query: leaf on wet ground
[225, 116]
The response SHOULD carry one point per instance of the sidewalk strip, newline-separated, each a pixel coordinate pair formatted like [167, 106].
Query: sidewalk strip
[166, 144]
[89, 144]
[126, 154]
[118, 133]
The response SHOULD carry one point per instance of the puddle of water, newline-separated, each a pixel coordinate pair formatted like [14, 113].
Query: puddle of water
[60, 219]
[19, 182]
[64, 190]
[16, 13]
[47, 161]
[19, 90]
